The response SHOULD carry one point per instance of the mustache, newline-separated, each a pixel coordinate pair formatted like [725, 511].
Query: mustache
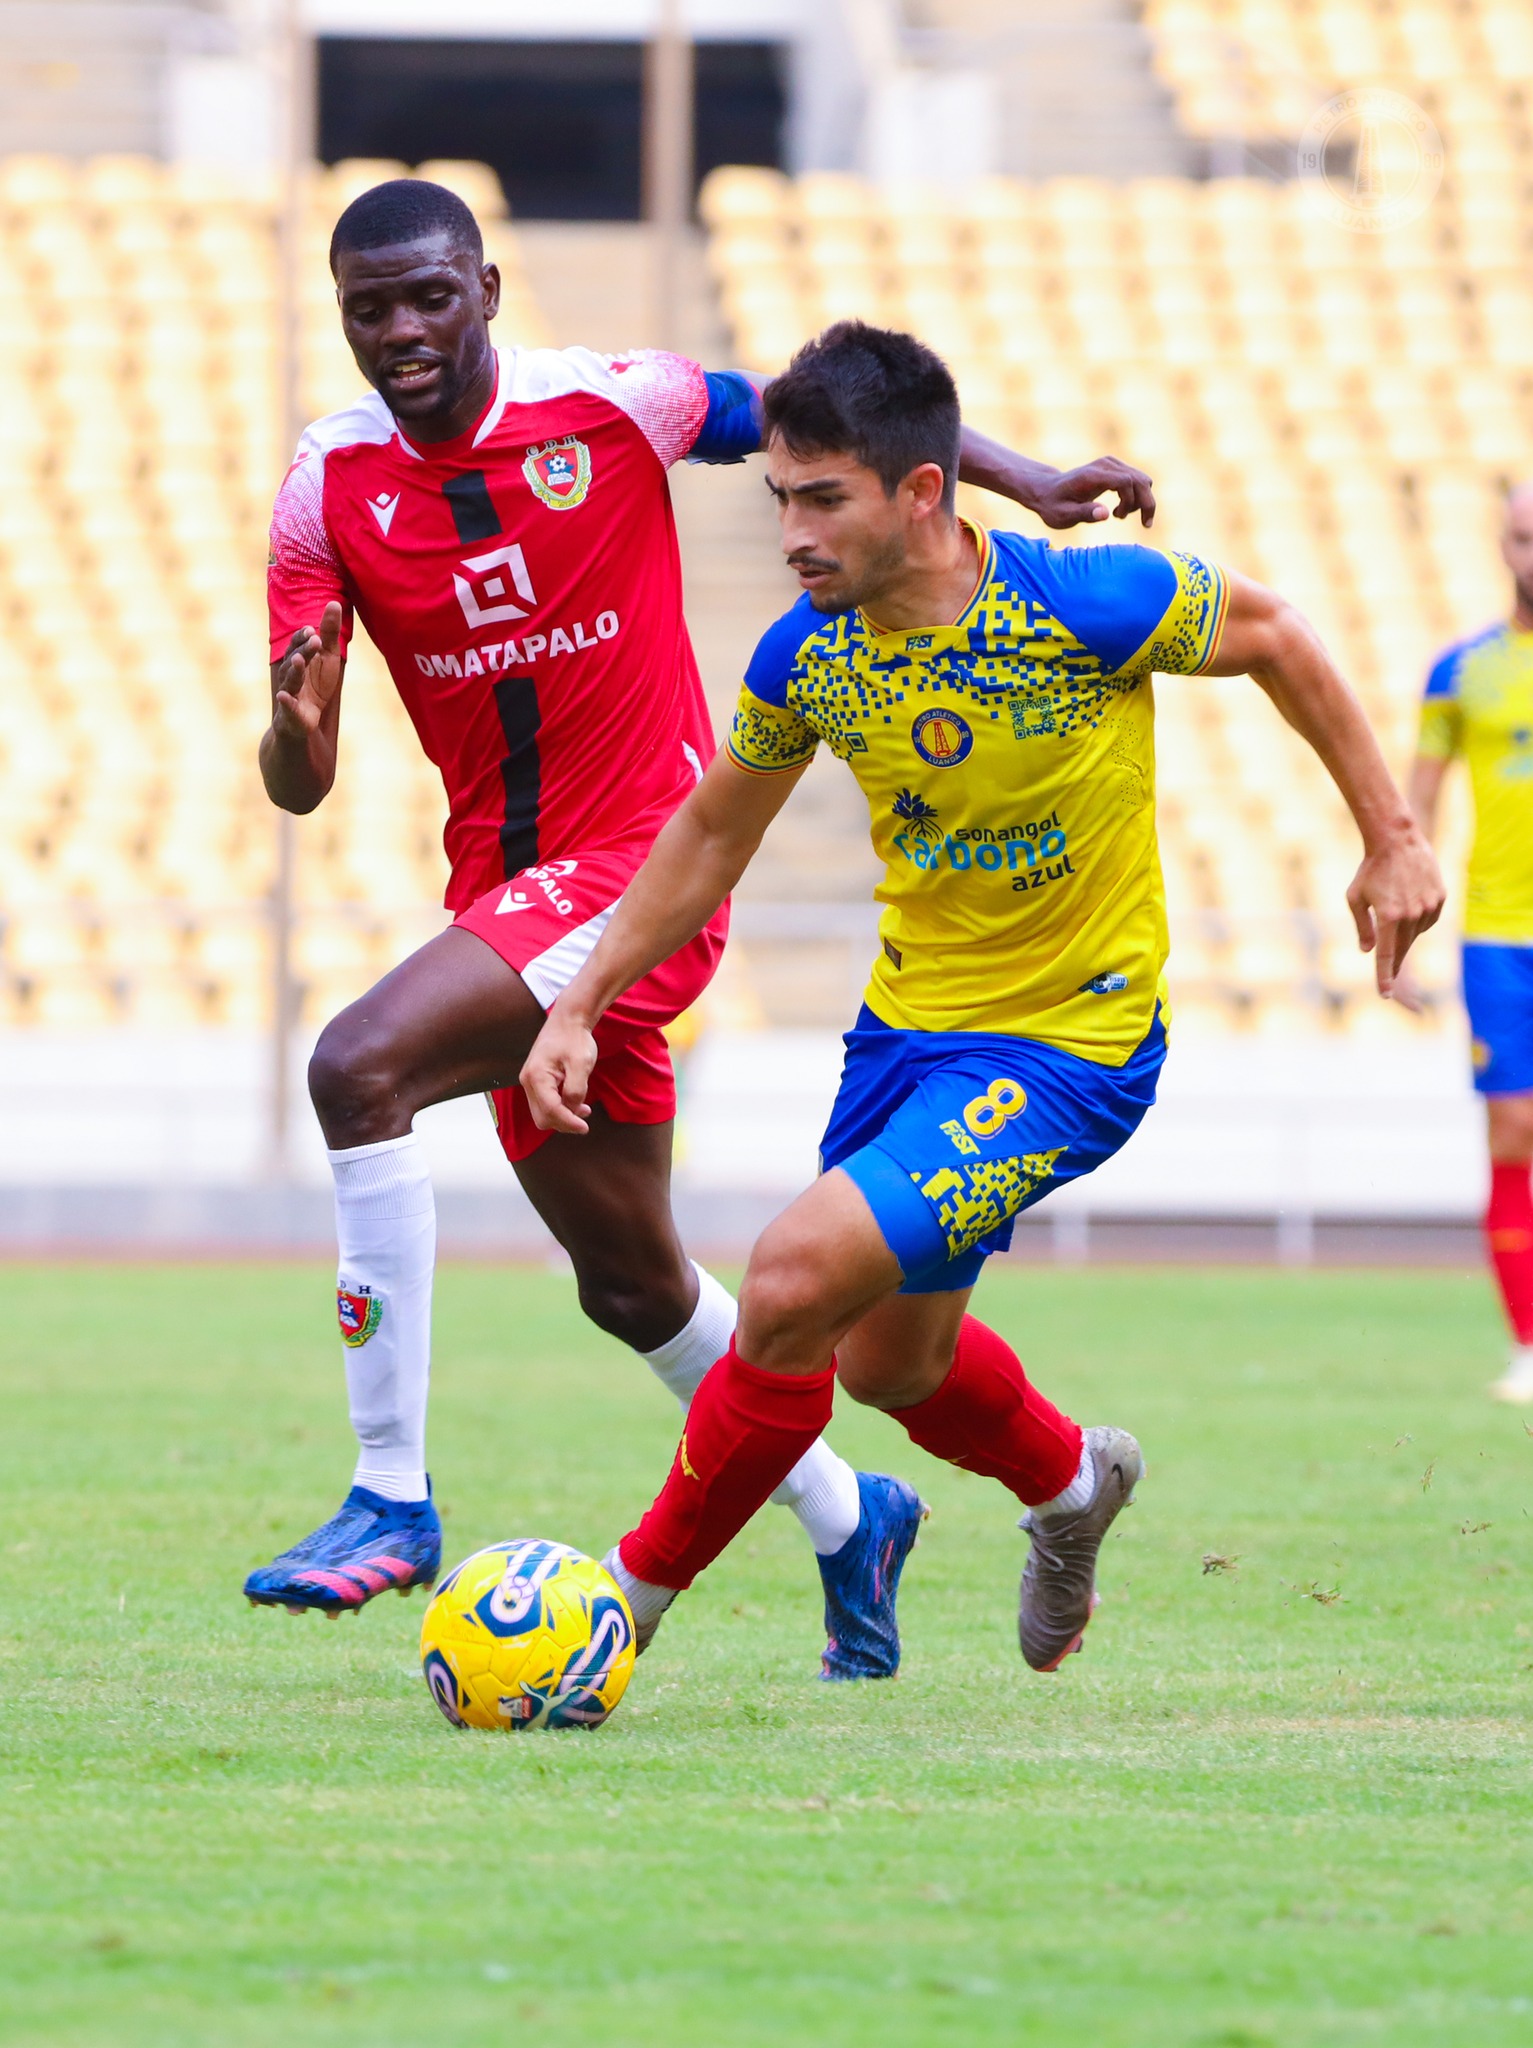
[802, 558]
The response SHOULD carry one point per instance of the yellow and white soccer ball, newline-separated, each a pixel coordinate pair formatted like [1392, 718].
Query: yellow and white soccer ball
[528, 1634]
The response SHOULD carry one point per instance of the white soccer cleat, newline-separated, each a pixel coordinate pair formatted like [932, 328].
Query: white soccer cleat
[1516, 1383]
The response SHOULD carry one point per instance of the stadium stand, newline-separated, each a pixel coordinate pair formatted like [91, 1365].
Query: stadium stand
[140, 440]
[1257, 69]
[1330, 412]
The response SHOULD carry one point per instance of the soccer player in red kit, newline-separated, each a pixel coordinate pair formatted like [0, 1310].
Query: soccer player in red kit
[501, 523]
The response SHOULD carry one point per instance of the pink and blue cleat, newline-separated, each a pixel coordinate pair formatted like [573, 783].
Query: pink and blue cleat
[862, 1581]
[372, 1546]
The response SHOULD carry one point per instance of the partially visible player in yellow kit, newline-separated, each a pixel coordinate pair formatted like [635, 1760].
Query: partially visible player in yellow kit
[1479, 707]
[993, 698]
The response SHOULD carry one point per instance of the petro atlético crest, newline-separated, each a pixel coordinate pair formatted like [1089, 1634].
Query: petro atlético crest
[942, 738]
[358, 1314]
[559, 473]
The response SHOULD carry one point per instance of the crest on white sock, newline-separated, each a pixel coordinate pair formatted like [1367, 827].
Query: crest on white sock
[359, 1312]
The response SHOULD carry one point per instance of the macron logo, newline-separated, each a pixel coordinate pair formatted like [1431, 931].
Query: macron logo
[492, 585]
[383, 508]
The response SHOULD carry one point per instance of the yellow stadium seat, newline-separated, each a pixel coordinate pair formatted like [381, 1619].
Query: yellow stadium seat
[993, 201]
[122, 182]
[476, 185]
[737, 194]
[141, 452]
[1504, 306]
[824, 198]
[38, 182]
[352, 176]
[1507, 31]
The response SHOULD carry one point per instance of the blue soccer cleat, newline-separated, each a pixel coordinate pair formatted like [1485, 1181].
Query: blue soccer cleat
[372, 1545]
[863, 1577]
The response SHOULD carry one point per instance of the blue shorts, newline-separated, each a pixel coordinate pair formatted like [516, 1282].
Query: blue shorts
[1498, 994]
[951, 1134]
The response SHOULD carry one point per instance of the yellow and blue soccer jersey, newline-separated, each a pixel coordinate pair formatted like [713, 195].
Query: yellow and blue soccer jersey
[1009, 765]
[1479, 704]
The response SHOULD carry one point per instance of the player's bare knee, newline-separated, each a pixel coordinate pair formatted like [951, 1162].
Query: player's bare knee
[867, 1380]
[782, 1298]
[354, 1086]
[1511, 1128]
[885, 1391]
[643, 1309]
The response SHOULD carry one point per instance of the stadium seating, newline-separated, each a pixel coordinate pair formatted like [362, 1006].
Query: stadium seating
[1259, 69]
[1333, 413]
[140, 436]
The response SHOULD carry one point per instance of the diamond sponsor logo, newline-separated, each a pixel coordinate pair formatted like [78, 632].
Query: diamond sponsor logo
[482, 593]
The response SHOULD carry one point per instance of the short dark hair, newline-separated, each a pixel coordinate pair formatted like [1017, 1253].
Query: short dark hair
[404, 210]
[871, 392]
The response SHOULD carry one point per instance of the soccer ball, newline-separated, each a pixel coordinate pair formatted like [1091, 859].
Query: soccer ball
[527, 1635]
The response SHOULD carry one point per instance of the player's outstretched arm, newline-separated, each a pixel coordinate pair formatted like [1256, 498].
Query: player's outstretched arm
[1060, 497]
[1397, 893]
[298, 748]
[692, 866]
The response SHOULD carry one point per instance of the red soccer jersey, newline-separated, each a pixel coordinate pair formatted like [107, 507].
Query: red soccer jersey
[523, 583]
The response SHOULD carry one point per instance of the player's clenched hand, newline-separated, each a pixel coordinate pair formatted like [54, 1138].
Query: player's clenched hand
[1070, 499]
[308, 678]
[557, 1074]
[1395, 896]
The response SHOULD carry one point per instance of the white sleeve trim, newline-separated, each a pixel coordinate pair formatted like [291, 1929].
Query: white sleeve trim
[666, 396]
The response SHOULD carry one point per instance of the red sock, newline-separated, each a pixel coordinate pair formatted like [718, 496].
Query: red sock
[1509, 1233]
[746, 1430]
[988, 1418]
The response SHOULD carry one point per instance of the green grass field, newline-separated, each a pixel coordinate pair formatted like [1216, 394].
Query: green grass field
[1287, 1802]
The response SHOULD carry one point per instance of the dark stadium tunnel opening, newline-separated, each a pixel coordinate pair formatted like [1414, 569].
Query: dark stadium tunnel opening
[561, 123]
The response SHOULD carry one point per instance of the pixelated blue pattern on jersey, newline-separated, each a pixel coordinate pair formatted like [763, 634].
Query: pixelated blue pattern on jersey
[1008, 762]
[1498, 994]
[951, 1134]
[1016, 638]
[862, 1581]
[371, 1546]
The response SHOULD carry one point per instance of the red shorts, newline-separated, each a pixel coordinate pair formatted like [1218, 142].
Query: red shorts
[544, 922]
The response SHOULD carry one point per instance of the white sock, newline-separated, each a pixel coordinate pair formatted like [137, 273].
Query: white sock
[1078, 1494]
[822, 1488]
[646, 1603]
[683, 1363]
[385, 1225]
[822, 1491]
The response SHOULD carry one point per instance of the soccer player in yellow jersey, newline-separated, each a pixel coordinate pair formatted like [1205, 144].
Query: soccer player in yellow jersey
[994, 700]
[1479, 706]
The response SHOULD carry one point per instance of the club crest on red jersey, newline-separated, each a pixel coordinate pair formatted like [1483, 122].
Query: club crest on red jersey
[359, 1316]
[559, 473]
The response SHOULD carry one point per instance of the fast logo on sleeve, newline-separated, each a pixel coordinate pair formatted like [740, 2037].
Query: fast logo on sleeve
[359, 1315]
[559, 473]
